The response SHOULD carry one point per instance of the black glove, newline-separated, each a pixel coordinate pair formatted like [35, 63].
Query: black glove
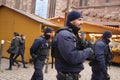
[92, 56]
[34, 56]
[33, 59]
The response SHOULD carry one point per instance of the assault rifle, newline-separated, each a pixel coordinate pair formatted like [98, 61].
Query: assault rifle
[81, 42]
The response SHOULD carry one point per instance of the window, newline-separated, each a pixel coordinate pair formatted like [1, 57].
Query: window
[33, 4]
[107, 1]
[17, 4]
[81, 1]
[52, 8]
[4, 2]
[86, 2]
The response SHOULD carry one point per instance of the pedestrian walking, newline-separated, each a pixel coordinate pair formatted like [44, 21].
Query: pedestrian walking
[21, 50]
[13, 49]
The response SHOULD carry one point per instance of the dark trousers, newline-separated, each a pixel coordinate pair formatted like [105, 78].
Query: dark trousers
[38, 67]
[11, 60]
[99, 75]
[22, 57]
[68, 76]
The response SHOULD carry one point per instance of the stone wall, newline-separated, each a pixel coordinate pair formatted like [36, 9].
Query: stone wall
[60, 5]
[25, 5]
[110, 10]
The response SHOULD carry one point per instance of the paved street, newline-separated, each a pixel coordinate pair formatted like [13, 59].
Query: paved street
[25, 74]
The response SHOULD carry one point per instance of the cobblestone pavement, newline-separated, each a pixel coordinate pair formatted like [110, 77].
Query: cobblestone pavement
[25, 74]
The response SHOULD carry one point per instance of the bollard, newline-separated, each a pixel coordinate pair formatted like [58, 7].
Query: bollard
[1, 48]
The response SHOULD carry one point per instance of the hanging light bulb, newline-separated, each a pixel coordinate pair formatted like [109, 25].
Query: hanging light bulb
[59, 19]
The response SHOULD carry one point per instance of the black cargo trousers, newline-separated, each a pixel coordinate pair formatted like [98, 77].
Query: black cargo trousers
[67, 76]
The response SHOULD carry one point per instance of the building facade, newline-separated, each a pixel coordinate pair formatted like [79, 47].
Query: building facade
[25, 5]
[93, 10]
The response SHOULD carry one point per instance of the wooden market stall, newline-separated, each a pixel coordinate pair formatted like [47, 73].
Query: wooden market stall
[59, 20]
[13, 20]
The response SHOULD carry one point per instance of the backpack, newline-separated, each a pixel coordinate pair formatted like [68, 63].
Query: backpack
[109, 55]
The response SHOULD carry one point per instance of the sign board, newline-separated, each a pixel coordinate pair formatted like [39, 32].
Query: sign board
[41, 8]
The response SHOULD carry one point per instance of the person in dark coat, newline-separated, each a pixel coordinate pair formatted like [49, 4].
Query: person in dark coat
[69, 60]
[15, 43]
[101, 48]
[39, 52]
[21, 50]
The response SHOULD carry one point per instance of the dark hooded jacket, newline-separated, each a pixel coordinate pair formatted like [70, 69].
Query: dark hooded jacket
[70, 59]
[15, 44]
[99, 68]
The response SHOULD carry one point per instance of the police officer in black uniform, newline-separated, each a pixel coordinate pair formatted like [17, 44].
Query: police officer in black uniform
[68, 59]
[103, 56]
[39, 52]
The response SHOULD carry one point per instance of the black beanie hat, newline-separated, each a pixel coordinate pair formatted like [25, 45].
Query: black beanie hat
[74, 15]
[48, 30]
[107, 34]
[16, 34]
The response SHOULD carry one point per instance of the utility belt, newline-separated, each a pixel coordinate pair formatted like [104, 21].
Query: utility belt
[42, 58]
[68, 76]
[37, 57]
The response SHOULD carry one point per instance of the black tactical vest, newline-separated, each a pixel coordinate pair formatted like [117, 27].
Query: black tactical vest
[44, 47]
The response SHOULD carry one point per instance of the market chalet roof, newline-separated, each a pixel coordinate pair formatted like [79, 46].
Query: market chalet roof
[32, 16]
[99, 28]
[93, 27]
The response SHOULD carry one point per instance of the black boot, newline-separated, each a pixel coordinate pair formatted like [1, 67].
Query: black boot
[13, 64]
[10, 66]
[8, 69]
[18, 65]
[25, 66]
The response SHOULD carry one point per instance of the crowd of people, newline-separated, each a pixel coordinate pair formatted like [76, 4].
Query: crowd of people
[69, 48]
